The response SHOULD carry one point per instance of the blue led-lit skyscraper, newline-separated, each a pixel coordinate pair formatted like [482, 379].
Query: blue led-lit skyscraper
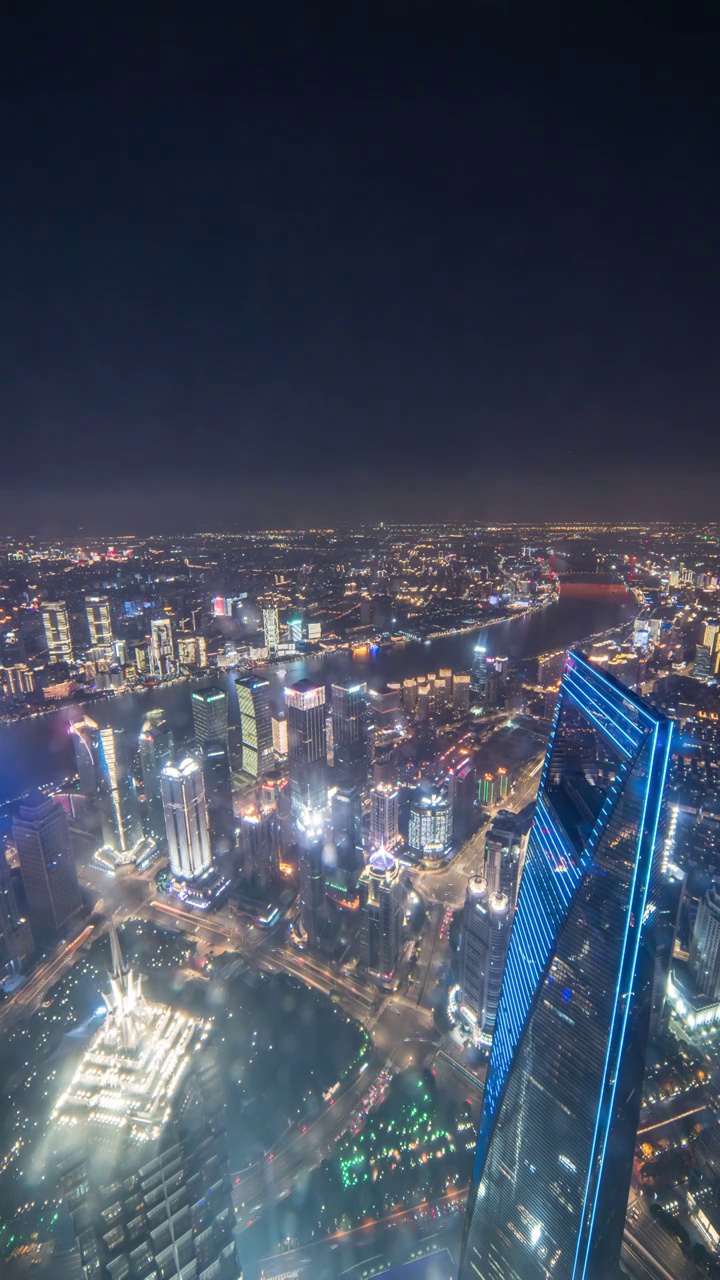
[562, 1097]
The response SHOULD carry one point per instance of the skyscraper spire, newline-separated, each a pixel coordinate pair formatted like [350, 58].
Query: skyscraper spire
[118, 967]
[125, 1003]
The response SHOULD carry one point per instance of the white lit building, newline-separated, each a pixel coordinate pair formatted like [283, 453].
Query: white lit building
[56, 622]
[162, 649]
[99, 619]
[280, 735]
[381, 914]
[430, 834]
[186, 819]
[485, 938]
[271, 629]
[384, 812]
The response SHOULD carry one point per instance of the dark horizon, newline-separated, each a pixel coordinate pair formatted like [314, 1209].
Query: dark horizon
[380, 263]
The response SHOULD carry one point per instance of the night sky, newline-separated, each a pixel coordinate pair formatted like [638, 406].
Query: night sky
[313, 264]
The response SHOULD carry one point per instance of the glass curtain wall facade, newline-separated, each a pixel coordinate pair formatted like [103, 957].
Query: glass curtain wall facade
[562, 1097]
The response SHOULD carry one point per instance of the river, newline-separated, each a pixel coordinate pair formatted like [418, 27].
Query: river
[39, 751]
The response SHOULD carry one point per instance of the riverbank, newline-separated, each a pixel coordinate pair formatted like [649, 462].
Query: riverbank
[38, 752]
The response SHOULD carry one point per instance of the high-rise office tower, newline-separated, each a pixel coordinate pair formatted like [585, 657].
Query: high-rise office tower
[704, 666]
[139, 1137]
[307, 747]
[503, 852]
[157, 749]
[275, 794]
[210, 715]
[409, 695]
[256, 725]
[704, 960]
[260, 845]
[119, 805]
[162, 648]
[210, 720]
[85, 740]
[99, 619]
[311, 874]
[271, 629]
[42, 837]
[485, 937]
[16, 940]
[381, 914]
[562, 1096]
[349, 730]
[478, 675]
[56, 621]
[186, 820]
[384, 814]
[431, 824]
[711, 635]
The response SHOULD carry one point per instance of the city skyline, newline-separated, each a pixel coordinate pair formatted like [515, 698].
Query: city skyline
[297, 773]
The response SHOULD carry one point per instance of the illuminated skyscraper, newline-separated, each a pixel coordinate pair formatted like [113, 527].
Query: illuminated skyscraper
[119, 806]
[210, 715]
[349, 727]
[384, 813]
[381, 914]
[86, 741]
[461, 694]
[210, 719]
[485, 937]
[311, 869]
[256, 725]
[478, 675]
[260, 845]
[431, 823]
[100, 625]
[503, 851]
[162, 648]
[139, 1137]
[42, 837]
[271, 629]
[56, 622]
[275, 794]
[307, 750]
[562, 1096]
[156, 750]
[186, 820]
[280, 735]
[350, 757]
